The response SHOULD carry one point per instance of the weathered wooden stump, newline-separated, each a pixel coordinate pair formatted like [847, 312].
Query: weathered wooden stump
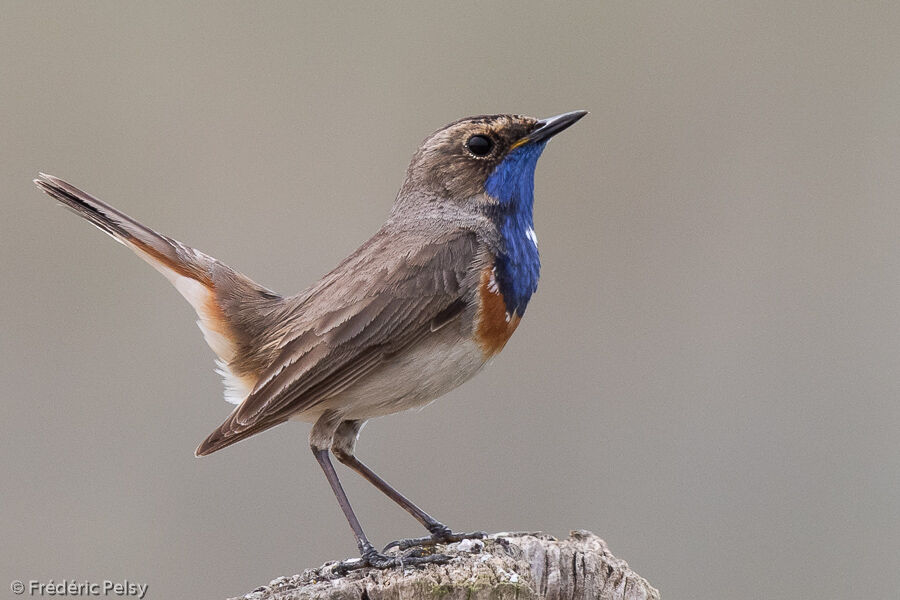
[505, 566]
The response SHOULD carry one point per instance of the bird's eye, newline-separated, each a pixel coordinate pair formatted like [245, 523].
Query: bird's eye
[479, 145]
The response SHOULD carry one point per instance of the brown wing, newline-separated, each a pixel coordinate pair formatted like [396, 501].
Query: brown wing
[382, 299]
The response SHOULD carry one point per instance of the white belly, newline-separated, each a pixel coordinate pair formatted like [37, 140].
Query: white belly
[409, 380]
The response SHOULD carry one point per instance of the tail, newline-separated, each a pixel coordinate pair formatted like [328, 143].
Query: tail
[231, 307]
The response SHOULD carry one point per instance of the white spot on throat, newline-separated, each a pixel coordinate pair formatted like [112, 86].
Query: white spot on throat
[531, 235]
[492, 284]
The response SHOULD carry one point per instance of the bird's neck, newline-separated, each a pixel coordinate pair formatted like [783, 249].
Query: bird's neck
[517, 265]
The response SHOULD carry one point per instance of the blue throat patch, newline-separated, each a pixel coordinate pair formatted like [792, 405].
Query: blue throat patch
[518, 265]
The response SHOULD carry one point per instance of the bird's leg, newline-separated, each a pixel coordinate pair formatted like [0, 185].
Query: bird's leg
[370, 556]
[439, 531]
[343, 447]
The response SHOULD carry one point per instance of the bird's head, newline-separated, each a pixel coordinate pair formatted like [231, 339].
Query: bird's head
[488, 159]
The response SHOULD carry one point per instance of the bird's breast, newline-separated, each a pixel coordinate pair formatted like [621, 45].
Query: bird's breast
[493, 324]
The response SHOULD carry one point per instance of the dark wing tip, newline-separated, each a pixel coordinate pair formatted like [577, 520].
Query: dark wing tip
[227, 434]
[202, 450]
[214, 441]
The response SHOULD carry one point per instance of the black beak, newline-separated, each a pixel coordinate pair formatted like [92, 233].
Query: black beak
[547, 128]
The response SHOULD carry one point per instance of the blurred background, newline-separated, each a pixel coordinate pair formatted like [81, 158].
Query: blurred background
[708, 377]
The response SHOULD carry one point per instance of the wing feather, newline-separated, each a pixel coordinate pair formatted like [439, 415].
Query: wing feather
[349, 327]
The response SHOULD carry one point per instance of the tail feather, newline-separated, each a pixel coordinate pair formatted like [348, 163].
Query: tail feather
[160, 251]
[221, 297]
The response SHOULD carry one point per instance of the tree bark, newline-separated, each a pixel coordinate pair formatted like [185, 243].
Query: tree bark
[505, 566]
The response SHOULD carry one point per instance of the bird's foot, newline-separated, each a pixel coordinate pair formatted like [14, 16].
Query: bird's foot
[371, 558]
[440, 534]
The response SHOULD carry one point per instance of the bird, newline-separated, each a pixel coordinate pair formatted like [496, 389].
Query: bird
[414, 312]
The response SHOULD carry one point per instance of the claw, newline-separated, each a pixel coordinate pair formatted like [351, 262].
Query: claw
[378, 560]
[446, 537]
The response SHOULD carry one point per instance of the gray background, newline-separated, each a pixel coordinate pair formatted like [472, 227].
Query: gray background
[708, 376]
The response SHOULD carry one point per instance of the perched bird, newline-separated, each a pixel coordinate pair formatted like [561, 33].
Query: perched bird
[417, 310]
